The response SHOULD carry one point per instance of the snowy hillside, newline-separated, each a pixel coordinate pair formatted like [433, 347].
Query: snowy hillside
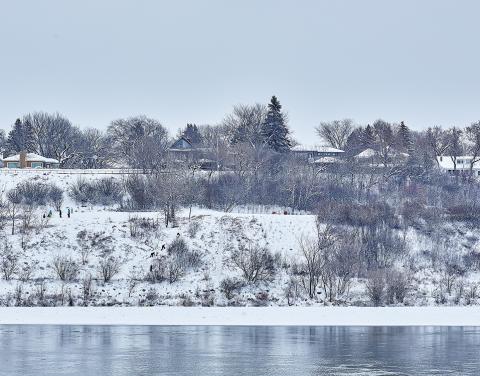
[139, 241]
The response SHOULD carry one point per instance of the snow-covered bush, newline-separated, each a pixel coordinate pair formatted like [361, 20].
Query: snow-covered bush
[183, 255]
[255, 262]
[193, 228]
[397, 286]
[376, 287]
[65, 268]
[109, 267]
[55, 196]
[231, 286]
[8, 260]
[104, 191]
[81, 191]
[87, 288]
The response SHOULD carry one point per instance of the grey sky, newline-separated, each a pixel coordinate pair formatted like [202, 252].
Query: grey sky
[190, 61]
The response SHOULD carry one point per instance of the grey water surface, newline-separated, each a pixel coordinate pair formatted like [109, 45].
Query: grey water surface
[34, 350]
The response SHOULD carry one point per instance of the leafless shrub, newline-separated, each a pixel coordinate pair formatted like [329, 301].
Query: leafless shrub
[471, 293]
[231, 286]
[18, 295]
[134, 277]
[451, 269]
[175, 269]
[183, 255]
[193, 228]
[109, 267]
[292, 291]
[140, 226]
[26, 271]
[85, 249]
[375, 286]
[255, 262]
[65, 267]
[8, 261]
[87, 289]
[55, 196]
[151, 298]
[397, 286]
[40, 292]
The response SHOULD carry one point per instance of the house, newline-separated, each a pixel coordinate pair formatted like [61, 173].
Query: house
[182, 150]
[315, 152]
[29, 160]
[459, 165]
[181, 145]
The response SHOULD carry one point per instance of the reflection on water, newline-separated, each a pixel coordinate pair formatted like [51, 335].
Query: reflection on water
[132, 350]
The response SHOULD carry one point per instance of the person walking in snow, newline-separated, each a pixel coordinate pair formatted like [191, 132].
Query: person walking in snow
[60, 212]
[68, 212]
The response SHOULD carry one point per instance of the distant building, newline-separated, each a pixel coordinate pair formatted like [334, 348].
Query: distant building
[183, 151]
[459, 165]
[29, 160]
[182, 145]
[316, 152]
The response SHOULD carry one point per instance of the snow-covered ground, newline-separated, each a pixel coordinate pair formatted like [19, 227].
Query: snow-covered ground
[216, 233]
[247, 316]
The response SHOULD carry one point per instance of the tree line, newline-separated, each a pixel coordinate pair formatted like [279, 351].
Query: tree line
[251, 132]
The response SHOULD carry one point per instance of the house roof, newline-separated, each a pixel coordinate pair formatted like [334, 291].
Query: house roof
[316, 148]
[30, 157]
[367, 153]
[181, 144]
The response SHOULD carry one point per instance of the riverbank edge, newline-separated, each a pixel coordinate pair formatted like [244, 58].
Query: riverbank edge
[243, 316]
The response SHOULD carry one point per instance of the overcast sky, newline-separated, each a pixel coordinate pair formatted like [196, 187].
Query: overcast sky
[190, 61]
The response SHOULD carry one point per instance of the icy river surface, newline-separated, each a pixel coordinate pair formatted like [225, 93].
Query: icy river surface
[29, 350]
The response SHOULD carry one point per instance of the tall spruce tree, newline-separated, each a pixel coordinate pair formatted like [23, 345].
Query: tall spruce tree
[20, 138]
[404, 138]
[192, 134]
[274, 129]
[368, 137]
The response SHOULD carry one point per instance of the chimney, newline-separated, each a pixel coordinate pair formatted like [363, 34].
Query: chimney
[23, 159]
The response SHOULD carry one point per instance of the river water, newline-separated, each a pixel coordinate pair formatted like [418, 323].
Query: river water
[199, 350]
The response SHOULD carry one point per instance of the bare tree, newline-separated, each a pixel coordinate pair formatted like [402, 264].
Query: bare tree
[455, 146]
[472, 134]
[139, 141]
[14, 200]
[438, 142]
[244, 124]
[336, 132]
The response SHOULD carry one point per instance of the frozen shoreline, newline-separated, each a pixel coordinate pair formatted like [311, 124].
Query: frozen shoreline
[244, 316]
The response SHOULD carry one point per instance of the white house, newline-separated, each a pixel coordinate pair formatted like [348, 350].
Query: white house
[460, 164]
[315, 153]
[29, 160]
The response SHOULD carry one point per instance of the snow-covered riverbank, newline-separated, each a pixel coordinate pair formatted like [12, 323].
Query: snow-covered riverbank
[248, 316]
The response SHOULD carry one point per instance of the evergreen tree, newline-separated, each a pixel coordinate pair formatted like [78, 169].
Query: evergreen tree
[20, 138]
[192, 134]
[274, 129]
[368, 137]
[404, 138]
